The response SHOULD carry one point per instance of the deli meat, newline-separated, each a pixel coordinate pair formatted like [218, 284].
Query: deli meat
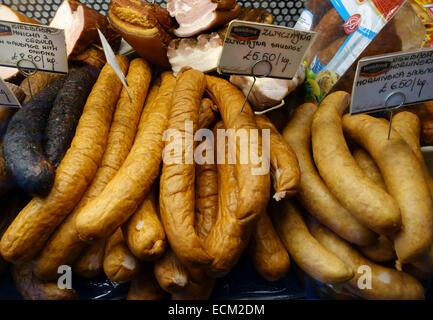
[8, 14]
[197, 16]
[268, 92]
[201, 54]
[80, 24]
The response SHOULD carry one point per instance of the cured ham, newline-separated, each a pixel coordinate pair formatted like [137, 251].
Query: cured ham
[197, 16]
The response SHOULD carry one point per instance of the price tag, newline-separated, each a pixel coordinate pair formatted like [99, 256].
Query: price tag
[247, 43]
[392, 80]
[33, 47]
[7, 98]
[112, 61]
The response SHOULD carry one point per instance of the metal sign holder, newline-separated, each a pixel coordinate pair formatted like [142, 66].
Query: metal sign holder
[255, 76]
[26, 72]
[391, 109]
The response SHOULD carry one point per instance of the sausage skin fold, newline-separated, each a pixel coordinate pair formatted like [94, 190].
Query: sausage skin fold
[177, 184]
[404, 178]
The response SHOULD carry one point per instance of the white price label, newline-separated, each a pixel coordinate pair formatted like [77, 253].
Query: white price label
[392, 80]
[7, 98]
[32, 46]
[248, 43]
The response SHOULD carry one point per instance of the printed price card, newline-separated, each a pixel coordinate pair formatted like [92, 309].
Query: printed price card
[392, 80]
[33, 46]
[7, 98]
[248, 43]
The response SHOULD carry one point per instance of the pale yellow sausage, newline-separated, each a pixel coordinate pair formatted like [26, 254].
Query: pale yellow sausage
[372, 206]
[313, 194]
[307, 252]
[404, 179]
[408, 125]
[386, 283]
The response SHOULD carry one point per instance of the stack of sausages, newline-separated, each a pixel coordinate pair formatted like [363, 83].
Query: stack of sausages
[126, 201]
[175, 229]
[362, 206]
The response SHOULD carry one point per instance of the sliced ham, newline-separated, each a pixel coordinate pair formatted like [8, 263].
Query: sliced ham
[197, 16]
[9, 14]
[268, 92]
[201, 54]
[80, 24]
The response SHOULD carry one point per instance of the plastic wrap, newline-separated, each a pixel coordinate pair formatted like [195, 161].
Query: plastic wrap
[346, 29]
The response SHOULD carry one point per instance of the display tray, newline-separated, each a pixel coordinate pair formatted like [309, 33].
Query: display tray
[243, 283]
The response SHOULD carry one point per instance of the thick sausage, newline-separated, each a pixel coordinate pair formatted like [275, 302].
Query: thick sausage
[408, 125]
[144, 233]
[23, 143]
[253, 174]
[285, 169]
[381, 251]
[91, 261]
[313, 194]
[120, 265]
[207, 114]
[170, 273]
[31, 288]
[206, 199]
[35, 223]
[230, 235]
[386, 283]
[11, 204]
[309, 255]
[267, 252]
[177, 184]
[200, 285]
[145, 287]
[66, 112]
[64, 245]
[372, 206]
[126, 191]
[404, 179]
[367, 164]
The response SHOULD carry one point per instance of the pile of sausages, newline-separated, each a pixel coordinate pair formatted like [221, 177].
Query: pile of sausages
[359, 206]
[119, 204]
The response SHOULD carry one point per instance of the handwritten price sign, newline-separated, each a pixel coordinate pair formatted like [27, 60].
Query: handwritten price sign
[389, 81]
[32, 46]
[246, 43]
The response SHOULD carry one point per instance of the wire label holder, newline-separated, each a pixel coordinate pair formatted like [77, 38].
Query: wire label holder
[390, 81]
[262, 50]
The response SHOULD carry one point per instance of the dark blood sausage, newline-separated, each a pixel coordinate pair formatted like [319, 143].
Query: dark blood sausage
[23, 143]
[66, 112]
